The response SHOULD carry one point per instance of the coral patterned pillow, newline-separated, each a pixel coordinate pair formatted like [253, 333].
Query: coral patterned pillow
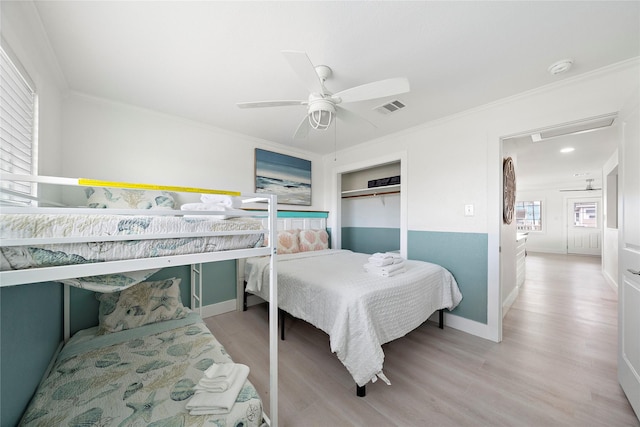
[288, 242]
[313, 240]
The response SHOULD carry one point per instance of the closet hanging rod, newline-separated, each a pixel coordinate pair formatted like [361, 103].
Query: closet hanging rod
[371, 195]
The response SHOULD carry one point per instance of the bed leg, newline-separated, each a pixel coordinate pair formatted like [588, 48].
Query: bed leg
[361, 391]
[282, 317]
[245, 295]
[441, 318]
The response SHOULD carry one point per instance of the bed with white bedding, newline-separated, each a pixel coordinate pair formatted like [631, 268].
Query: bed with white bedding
[359, 311]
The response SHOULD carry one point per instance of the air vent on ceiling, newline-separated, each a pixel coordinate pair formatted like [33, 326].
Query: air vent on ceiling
[390, 107]
[575, 128]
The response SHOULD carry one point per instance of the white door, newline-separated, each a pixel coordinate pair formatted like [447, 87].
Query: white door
[584, 227]
[629, 256]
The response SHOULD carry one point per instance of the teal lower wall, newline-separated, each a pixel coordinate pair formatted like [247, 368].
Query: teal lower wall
[30, 332]
[465, 256]
[370, 240]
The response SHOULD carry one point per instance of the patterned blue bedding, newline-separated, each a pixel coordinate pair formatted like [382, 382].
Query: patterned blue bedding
[100, 229]
[138, 377]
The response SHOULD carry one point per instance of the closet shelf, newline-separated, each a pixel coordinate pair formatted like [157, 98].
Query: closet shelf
[374, 191]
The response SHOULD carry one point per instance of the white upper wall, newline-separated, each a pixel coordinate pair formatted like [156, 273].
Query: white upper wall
[457, 161]
[22, 32]
[117, 142]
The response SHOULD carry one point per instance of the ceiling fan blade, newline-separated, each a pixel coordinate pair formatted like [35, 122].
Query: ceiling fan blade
[349, 116]
[303, 129]
[305, 70]
[259, 104]
[374, 90]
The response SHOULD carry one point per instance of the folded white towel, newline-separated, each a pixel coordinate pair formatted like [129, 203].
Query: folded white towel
[216, 403]
[218, 379]
[380, 262]
[221, 199]
[385, 271]
[204, 207]
[219, 371]
[382, 255]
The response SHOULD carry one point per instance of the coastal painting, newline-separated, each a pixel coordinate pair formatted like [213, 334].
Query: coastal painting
[285, 176]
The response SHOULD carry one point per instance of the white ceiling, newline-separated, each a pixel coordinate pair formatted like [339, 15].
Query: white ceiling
[198, 59]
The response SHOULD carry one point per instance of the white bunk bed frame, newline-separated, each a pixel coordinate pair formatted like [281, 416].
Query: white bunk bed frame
[48, 274]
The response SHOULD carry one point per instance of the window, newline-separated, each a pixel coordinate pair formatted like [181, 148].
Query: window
[529, 215]
[18, 103]
[585, 214]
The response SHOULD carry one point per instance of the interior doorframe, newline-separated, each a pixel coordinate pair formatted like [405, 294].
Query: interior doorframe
[336, 222]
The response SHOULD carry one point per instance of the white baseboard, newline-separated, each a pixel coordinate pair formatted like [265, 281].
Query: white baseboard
[471, 327]
[219, 308]
[610, 280]
[227, 306]
[508, 302]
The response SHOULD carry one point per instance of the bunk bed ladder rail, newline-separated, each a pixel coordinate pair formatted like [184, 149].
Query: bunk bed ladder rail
[196, 287]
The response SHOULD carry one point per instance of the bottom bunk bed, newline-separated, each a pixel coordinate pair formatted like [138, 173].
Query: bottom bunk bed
[144, 365]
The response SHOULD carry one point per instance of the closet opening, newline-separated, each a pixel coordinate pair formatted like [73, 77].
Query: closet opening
[371, 206]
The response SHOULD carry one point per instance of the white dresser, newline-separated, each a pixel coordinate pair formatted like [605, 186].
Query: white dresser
[521, 253]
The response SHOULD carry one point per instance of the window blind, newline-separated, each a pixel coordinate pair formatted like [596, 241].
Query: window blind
[17, 127]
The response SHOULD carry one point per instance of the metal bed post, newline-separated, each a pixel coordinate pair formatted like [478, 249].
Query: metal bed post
[66, 316]
[273, 312]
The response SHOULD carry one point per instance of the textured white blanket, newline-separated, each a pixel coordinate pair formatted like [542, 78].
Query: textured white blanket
[359, 311]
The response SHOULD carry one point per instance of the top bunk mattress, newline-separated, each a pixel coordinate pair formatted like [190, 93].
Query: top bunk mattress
[99, 238]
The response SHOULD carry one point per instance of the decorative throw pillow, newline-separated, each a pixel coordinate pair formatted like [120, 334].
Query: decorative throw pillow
[141, 304]
[313, 240]
[287, 241]
[122, 198]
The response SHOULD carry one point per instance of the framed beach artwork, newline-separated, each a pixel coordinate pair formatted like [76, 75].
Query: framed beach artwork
[285, 176]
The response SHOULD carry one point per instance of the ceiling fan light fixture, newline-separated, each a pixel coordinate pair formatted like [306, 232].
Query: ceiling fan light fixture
[321, 114]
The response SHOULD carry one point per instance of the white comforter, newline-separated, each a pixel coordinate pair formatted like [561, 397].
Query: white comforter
[360, 311]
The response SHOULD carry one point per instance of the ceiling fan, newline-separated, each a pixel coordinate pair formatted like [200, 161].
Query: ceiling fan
[322, 105]
[588, 188]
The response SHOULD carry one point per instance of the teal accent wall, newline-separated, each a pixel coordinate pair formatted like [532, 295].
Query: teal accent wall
[30, 332]
[465, 256]
[218, 282]
[370, 240]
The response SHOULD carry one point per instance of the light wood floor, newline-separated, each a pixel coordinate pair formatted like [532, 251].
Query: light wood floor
[556, 365]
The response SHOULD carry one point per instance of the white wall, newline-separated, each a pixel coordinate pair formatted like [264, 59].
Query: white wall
[610, 234]
[117, 142]
[458, 160]
[22, 32]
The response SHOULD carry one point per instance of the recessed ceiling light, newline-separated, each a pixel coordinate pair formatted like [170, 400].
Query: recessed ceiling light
[560, 66]
[581, 174]
[567, 150]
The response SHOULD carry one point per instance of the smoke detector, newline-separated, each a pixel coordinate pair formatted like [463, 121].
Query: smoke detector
[560, 66]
